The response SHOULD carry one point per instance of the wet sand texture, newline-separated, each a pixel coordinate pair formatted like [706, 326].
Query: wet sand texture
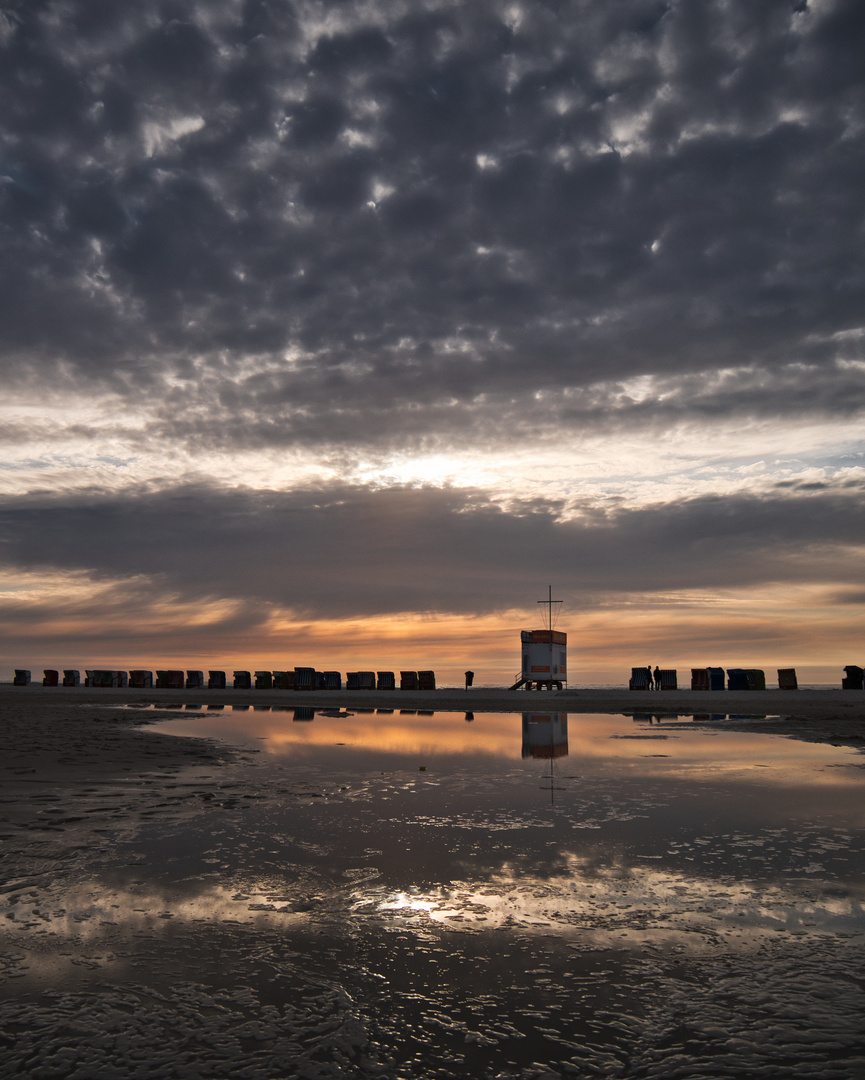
[175, 909]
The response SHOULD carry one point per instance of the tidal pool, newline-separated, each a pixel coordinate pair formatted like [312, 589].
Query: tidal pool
[414, 895]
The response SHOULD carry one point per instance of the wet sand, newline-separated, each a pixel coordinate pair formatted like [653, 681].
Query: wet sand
[51, 739]
[57, 739]
[821, 704]
[188, 909]
[57, 731]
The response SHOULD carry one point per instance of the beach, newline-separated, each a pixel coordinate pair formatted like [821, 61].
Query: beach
[53, 730]
[60, 738]
[820, 703]
[410, 885]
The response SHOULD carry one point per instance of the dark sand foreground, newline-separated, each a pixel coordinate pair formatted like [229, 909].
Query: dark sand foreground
[182, 908]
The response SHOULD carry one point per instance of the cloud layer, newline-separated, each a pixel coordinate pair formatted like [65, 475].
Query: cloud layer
[353, 309]
[334, 552]
[282, 212]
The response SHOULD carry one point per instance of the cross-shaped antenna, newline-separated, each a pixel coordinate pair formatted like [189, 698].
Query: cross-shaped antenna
[548, 603]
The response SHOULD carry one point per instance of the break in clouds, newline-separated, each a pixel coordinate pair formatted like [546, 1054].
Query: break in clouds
[348, 230]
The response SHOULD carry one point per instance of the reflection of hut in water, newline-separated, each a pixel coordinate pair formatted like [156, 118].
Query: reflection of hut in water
[545, 735]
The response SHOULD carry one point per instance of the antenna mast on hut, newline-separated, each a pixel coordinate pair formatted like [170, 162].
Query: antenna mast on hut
[548, 603]
[544, 652]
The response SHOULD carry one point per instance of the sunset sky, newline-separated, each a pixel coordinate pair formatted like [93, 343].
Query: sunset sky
[335, 333]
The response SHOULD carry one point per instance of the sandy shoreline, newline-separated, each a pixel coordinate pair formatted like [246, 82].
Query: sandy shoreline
[52, 735]
[815, 704]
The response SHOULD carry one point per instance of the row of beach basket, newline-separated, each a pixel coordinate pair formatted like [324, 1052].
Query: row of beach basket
[715, 678]
[300, 678]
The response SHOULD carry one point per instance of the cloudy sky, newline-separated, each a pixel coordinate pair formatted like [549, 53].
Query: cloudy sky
[335, 333]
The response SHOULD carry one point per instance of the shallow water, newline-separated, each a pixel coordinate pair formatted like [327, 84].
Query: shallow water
[413, 895]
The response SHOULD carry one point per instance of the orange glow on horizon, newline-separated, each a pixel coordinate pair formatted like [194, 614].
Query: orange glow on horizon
[75, 621]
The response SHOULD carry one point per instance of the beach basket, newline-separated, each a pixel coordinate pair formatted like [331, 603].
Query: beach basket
[426, 680]
[304, 678]
[737, 679]
[699, 678]
[716, 678]
[639, 679]
[756, 679]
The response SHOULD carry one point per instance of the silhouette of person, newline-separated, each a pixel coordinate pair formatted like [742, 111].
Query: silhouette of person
[649, 679]
[657, 678]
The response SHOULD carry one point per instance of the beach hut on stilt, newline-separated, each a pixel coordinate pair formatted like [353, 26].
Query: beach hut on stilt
[544, 652]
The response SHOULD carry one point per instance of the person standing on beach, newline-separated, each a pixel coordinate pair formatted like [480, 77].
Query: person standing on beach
[657, 677]
[649, 680]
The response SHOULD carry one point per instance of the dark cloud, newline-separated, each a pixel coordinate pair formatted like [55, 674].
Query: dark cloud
[423, 206]
[457, 403]
[351, 551]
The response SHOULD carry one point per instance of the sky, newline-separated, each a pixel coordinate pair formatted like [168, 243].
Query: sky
[334, 334]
